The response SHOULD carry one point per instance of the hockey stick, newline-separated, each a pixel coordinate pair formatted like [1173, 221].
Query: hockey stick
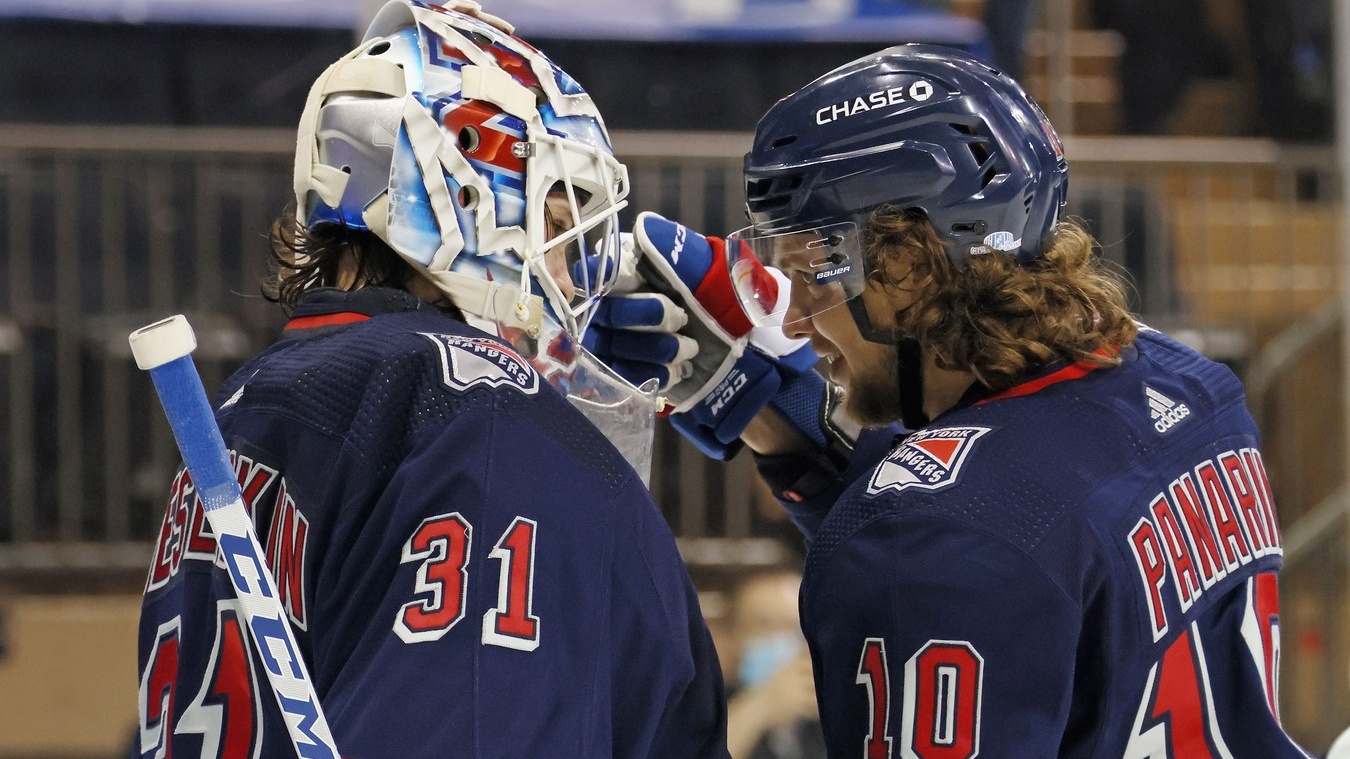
[165, 350]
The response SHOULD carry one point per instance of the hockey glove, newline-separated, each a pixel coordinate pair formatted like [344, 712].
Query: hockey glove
[635, 330]
[714, 393]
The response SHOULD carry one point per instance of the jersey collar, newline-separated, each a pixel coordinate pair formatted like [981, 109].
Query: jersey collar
[325, 308]
[1052, 374]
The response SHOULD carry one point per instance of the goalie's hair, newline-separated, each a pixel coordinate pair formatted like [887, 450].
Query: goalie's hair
[993, 316]
[328, 255]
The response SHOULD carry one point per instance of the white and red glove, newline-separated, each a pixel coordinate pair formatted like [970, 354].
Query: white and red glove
[715, 389]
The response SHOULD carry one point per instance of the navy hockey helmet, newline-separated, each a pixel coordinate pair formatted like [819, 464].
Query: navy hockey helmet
[913, 126]
[916, 126]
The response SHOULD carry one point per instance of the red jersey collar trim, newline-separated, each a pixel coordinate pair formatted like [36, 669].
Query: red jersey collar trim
[325, 320]
[1073, 371]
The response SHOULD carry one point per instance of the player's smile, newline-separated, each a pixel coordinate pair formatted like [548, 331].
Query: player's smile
[865, 368]
[826, 351]
[838, 366]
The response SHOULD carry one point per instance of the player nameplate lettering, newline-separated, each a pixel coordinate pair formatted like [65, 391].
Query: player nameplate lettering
[467, 362]
[927, 460]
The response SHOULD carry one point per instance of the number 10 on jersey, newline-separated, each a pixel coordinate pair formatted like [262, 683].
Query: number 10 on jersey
[941, 708]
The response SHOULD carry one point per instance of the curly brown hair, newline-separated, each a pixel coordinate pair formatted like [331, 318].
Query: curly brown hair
[328, 255]
[994, 317]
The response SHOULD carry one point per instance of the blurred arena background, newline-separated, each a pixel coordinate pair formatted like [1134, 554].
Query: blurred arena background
[145, 145]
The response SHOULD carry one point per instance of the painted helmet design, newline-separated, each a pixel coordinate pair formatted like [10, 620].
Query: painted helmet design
[473, 156]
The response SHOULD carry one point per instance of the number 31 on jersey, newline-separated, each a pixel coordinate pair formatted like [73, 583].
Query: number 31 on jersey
[441, 546]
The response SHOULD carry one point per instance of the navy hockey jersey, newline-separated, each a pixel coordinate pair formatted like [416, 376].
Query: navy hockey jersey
[470, 568]
[1082, 566]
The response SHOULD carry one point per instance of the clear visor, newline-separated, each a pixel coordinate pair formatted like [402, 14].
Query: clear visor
[824, 266]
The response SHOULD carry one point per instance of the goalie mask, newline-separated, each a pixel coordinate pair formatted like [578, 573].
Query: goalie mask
[474, 157]
[489, 169]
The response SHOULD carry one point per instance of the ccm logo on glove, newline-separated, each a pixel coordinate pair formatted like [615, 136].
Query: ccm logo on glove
[678, 244]
[725, 391]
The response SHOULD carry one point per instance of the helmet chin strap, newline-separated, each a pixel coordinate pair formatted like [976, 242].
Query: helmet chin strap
[909, 369]
[910, 385]
[498, 302]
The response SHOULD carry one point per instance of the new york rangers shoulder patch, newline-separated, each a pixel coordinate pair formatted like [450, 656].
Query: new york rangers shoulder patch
[927, 460]
[468, 362]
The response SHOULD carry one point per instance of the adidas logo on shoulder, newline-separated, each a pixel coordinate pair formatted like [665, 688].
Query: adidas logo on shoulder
[1166, 413]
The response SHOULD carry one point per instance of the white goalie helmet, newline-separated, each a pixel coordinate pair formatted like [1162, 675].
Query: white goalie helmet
[489, 169]
[471, 155]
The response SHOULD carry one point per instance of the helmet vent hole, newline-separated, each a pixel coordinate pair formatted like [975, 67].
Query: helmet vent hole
[346, 169]
[468, 198]
[482, 40]
[989, 177]
[540, 97]
[782, 141]
[794, 182]
[469, 139]
[378, 49]
[980, 150]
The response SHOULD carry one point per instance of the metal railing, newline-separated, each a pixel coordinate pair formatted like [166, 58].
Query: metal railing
[1290, 389]
[102, 230]
[1232, 244]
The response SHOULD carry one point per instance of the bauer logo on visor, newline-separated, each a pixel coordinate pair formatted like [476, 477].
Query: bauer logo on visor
[826, 260]
[833, 273]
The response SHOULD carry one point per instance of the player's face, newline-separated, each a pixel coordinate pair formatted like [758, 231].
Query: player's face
[866, 370]
[557, 261]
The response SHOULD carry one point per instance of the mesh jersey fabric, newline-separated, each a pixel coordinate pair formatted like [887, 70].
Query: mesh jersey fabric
[1086, 570]
[470, 568]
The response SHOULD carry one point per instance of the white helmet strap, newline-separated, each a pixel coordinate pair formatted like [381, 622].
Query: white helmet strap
[497, 87]
[498, 302]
